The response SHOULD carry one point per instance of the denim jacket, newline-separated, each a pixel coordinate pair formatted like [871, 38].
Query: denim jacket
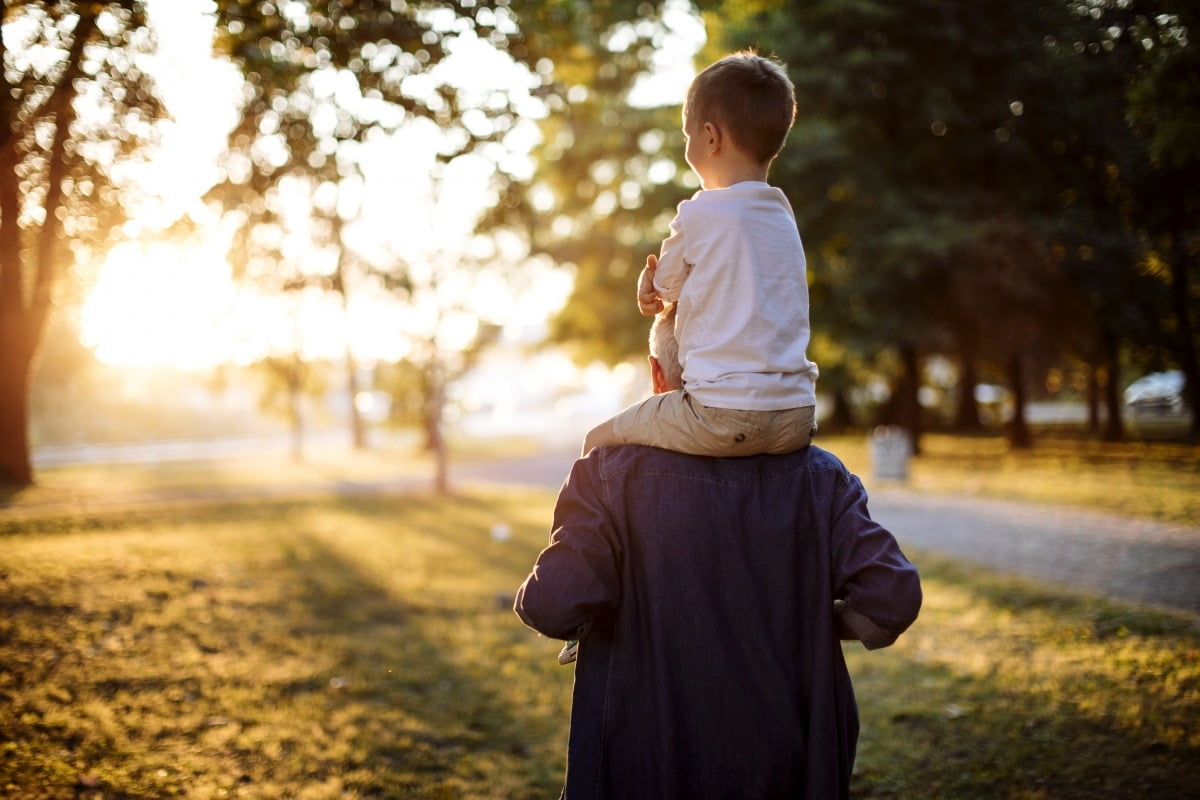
[704, 592]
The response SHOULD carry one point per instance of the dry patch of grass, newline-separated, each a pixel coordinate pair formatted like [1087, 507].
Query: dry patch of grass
[365, 648]
[90, 485]
[312, 650]
[1155, 480]
[1004, 689]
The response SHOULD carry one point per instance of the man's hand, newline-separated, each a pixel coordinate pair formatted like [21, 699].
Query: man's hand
[649, 303]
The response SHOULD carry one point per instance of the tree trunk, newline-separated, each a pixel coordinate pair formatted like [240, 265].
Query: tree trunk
[26, 299]
[435, 400]
[908, 408]
[841, 418]
[295, 411]
[966, 411]
[358, 431]
[1114, 426]
[16, 471]
[1182, 306]
[1019, 437]
[16, 342]
[1093, 400]
[15, 352]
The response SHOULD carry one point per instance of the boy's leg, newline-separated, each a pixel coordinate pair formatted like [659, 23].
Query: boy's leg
[739, 432]
[640, 423]
[675, 421]
[603, 434]
[791, 429]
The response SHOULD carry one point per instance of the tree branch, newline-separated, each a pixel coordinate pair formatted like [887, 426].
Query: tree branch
[59, 164]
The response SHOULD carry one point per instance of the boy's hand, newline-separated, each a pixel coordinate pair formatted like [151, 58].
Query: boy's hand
[649, 303]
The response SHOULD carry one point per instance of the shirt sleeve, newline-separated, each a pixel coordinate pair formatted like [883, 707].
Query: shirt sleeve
[577, 577]
[672, 268]
[878, 588]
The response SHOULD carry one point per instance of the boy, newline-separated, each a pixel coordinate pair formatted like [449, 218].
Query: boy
[735, 266]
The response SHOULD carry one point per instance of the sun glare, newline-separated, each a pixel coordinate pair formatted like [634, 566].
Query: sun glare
[159, 305]
[164, 304]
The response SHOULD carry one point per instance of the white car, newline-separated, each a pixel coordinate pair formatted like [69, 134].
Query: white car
[1156, 393]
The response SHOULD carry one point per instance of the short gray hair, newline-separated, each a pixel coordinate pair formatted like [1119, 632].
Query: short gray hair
[665, 348]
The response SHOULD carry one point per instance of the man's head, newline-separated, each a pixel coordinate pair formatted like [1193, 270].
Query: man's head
[748, 97]
[666, 373]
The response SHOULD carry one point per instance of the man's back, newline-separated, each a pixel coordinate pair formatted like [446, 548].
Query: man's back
[712, 667]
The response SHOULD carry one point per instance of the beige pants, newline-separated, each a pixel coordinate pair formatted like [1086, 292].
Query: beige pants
[674, 421]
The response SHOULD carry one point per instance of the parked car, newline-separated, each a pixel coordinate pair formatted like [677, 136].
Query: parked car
[1156, 393]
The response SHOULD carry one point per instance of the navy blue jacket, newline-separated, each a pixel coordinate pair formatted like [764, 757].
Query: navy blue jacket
[710, 664]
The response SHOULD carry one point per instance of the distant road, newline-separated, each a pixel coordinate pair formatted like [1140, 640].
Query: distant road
[1120, 557]
[166, 450]
[154, 452]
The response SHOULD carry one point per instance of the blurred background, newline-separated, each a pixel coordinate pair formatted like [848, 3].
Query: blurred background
[238, 227]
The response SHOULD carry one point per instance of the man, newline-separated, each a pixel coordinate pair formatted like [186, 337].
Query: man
[703, 591]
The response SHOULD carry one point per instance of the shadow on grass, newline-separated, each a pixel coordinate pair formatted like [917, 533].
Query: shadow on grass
[1009, 689]
[365, 646]
[409, 716]
[257, 653]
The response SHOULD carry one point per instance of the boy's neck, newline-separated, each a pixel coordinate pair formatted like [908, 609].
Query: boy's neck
[725, 172]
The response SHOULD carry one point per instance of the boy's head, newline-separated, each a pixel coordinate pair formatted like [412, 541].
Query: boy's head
[749, 97]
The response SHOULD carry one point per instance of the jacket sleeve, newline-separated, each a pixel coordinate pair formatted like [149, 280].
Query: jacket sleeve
[876, 589]
[673, 268]
[577, 576]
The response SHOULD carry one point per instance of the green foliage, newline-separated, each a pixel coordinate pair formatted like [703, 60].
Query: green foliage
[59, 164]
[609, 174]
[972, 185]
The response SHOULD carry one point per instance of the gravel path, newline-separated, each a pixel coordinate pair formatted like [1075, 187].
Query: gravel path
[1120, 557]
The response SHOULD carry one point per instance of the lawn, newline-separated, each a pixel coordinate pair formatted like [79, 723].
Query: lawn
[365, 648]
[1157, 480]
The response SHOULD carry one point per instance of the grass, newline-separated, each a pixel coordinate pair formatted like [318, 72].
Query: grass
[365, 648]
[1157, 480]
[1004, 689]
[319, 649]
[1151, 479]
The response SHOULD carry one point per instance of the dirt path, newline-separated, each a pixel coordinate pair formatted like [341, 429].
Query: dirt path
[1124, 558]
[1120, 557]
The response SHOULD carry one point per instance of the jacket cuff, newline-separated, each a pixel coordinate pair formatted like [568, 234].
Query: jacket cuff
[866, 631]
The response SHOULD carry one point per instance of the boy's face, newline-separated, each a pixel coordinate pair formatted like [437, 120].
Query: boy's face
[696, 153]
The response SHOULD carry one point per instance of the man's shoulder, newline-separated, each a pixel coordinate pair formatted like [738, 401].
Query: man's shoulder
[613, 462]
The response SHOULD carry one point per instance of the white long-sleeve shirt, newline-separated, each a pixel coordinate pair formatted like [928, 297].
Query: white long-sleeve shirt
[735, 264]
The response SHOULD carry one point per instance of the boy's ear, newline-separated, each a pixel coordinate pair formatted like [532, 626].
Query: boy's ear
[713, 137]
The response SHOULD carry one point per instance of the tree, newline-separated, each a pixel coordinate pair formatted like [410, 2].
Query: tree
[74, 103]
[1164, 110]
[609, 173]
[326, 79]
[913, 140]
[906, 141]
